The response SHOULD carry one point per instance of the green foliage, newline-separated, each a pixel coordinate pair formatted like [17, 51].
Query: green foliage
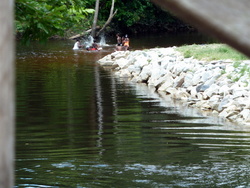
[38, 20]
[140, 16]
[242, 69]
[135, 16]
[211, 52]
[236, 64]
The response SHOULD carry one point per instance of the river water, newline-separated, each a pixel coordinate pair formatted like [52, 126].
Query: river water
[79, 126]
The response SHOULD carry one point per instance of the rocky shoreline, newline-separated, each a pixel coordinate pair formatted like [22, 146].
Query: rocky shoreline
[218, 88]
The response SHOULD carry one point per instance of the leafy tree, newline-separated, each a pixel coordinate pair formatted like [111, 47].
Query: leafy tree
[41, 19]
[136, 16]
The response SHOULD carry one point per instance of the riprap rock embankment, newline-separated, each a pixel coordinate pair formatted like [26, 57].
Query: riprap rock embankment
[218, 87]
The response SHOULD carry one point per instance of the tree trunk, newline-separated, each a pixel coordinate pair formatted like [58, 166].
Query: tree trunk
[111, 15]
[7, 106]
[112, 8]
[106, 24]
[95, 18]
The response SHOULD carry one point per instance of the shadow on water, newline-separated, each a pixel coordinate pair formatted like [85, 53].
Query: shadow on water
[79, 126]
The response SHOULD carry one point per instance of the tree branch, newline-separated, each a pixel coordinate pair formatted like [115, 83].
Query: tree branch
[107, 22]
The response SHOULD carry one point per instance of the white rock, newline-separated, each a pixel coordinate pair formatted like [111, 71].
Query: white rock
[224, 90]
[206, 76]
[188, 80]
[214, 102]
[212, 90]
[193, 92]
[169, 81]
[229, 69]
[196, 79]
[156, 73]
[141, 61]
[246, 114]
[124, 73]
[145, 72]
[171, 91]
[122, 63]
[178, 81]
[134, 69]
[183, 95]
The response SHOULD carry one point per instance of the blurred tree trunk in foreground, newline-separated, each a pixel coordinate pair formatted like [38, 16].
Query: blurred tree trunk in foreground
[226, 20]
[7, 106]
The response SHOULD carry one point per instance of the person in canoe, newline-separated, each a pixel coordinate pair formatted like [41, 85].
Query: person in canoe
[77, 45]
[94, 47]
[119, 39]
[125, 44]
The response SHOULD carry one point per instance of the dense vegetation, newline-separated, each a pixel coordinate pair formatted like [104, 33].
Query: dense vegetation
[45, 18]
[41, 19]
[143, 16]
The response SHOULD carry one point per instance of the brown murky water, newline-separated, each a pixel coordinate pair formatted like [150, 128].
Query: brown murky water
[78, 126]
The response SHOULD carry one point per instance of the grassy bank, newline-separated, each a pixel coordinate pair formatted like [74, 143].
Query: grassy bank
[211, 52]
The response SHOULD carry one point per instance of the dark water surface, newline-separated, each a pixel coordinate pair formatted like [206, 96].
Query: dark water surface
[79, 126]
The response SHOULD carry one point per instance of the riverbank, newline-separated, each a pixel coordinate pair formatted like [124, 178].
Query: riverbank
[218, 88]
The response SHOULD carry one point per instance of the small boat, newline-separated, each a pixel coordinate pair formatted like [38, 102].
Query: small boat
[93, 49]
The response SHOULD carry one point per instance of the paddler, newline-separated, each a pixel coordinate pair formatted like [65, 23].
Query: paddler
[126, 42]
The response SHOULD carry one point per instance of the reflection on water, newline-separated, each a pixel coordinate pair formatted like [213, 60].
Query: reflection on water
[78, 126]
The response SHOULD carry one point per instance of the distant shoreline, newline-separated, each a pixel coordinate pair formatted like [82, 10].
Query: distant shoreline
[218, 87]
